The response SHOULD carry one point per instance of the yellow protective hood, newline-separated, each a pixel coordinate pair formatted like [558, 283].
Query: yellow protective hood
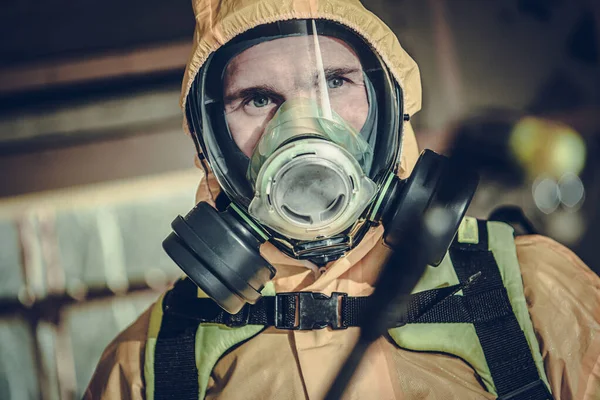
[560, 290]
[219, 21]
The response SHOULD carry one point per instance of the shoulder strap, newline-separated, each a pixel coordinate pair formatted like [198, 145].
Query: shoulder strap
[484, 304]
[195, 332]
[185, 351]
[505, 347]
[175, 372]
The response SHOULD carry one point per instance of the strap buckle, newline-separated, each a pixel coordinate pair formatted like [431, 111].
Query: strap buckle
[537, 388]
[310, 310]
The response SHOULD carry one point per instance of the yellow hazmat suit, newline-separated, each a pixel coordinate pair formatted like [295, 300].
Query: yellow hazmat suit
[563, 295]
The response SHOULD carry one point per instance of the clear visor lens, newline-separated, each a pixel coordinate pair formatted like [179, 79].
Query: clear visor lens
[302, 118]
[298, 85]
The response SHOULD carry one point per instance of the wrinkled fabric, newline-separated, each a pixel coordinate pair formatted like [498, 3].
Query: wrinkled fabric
[120, 369]
[563, 295]
[218, 21]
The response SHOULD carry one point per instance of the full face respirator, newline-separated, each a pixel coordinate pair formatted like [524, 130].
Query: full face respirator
[301, 124]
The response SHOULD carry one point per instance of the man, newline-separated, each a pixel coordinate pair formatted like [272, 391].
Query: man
[299, 109]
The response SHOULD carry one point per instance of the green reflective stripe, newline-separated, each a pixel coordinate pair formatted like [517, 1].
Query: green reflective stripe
[441, 276]
[212, 341]
[269, 289]
[501, 243]
[467, 231]
[386, 185]
[457, 339]
[461, 339]
[250, 222]
[156, 316]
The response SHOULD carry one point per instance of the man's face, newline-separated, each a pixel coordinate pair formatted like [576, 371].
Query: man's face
[261, 78]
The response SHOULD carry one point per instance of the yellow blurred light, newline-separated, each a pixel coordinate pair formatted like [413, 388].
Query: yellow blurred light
[547, 147]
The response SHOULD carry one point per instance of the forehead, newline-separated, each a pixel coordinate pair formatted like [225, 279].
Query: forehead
[291, 55]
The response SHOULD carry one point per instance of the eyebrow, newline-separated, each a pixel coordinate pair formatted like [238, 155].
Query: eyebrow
[268, 90]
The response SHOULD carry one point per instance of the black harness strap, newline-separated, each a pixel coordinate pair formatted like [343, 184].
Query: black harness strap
[485, 304]
[503, 342]
[175, 372]
[309, 310]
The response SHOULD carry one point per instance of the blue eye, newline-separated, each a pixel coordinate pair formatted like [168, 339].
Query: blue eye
[335, 83]
[260, 101]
